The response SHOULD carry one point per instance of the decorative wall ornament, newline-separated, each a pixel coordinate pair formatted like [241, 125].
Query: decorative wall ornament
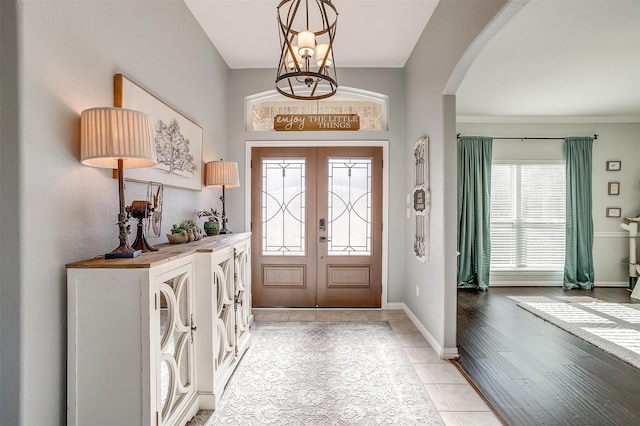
[155, 195]
[421, 199]
[177, 139]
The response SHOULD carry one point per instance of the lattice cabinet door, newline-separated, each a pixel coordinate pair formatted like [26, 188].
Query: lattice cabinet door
[175, 350]
[224, 314]
[225, 330]
[242, 266]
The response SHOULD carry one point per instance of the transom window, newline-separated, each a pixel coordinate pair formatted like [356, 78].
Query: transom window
[527, 216]
[371, 107]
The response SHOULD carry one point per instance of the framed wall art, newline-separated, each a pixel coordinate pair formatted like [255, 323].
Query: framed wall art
[178, 139]
[614, 212]
[421, 199]
[614, 188]
[614, 166]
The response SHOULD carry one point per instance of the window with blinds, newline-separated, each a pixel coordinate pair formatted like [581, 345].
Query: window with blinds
[527, 217]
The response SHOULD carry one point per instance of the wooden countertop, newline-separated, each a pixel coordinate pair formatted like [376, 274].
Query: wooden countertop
[167, 252]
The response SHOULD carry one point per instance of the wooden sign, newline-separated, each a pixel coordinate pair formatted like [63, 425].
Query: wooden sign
[315, 122]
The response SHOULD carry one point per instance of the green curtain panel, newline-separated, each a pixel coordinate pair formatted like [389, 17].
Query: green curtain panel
[578, 260]
[474, 211]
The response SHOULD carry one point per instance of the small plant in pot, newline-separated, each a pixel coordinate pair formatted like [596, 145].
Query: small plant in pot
[211, 226]
[185, 232]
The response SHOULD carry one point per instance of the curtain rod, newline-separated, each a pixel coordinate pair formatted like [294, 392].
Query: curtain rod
[524, 138]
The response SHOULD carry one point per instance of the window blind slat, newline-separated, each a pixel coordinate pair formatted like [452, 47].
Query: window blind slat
[527, 216]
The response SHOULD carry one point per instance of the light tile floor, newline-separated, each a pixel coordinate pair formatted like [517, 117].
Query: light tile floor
[456, 400]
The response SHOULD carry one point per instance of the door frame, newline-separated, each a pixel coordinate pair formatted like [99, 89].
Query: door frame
[328, 143]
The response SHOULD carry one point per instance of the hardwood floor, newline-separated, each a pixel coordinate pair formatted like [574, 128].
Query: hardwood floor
[535, 373]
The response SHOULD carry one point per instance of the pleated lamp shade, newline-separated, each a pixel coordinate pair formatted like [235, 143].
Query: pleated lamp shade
[219, 173]
[109, 134]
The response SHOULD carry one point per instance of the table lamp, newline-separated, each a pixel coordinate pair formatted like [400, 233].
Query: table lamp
[117, 138]
[222, 174]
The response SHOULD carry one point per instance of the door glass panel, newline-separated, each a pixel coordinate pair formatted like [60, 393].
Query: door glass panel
[283, 207]
[349, 207]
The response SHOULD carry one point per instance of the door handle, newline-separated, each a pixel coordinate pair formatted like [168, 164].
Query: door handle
[324, 239]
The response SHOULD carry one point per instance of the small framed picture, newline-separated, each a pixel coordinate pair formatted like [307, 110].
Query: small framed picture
[613, 212]
[614, 188]
[614, 166]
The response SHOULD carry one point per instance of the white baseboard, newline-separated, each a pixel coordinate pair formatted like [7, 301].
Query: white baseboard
[525, 284]
[552, 284]
[450, 353]
[395, 306]
[443, 353]
[611, 284]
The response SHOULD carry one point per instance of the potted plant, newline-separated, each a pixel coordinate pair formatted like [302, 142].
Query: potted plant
[185, 232]
[178, 235]
[211, 226]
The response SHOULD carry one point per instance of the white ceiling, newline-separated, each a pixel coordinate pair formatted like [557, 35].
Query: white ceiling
[554, 58]
[559, 58]
[370, 33]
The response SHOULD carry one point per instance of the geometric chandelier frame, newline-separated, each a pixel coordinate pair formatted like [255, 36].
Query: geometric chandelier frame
[306, 69]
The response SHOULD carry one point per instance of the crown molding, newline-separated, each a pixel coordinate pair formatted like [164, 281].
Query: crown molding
[550, 119]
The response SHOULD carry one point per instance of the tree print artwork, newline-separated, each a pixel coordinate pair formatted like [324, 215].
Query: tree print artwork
[172, 149]
[178, 139]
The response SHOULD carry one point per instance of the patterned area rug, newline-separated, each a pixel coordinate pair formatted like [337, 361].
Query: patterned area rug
[323, 373]
[613, 327]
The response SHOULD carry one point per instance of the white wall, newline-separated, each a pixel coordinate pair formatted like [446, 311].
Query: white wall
[386, 81]
[616, 141]
[449, 34]
[68, 55]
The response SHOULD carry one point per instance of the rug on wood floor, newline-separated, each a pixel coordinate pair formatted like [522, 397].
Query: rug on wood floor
[613, 327]
[323, 373]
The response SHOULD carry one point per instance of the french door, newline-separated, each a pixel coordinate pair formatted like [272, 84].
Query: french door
[316, 222]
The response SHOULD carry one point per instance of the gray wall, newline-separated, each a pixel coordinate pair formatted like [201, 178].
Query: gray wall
[389, 82]
[68, 54]
[616, 141]
[448, 35]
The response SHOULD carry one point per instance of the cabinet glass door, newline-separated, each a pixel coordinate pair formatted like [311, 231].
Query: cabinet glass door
[176, 343]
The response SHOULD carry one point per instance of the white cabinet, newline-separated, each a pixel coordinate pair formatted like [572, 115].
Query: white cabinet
[223, 336]
[153, 339]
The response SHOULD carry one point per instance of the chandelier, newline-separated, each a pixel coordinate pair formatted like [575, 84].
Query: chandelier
[307, 70]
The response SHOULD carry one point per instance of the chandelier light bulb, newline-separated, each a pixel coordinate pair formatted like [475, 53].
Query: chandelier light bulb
[290, 62]
[306, 43]
[322, 50]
